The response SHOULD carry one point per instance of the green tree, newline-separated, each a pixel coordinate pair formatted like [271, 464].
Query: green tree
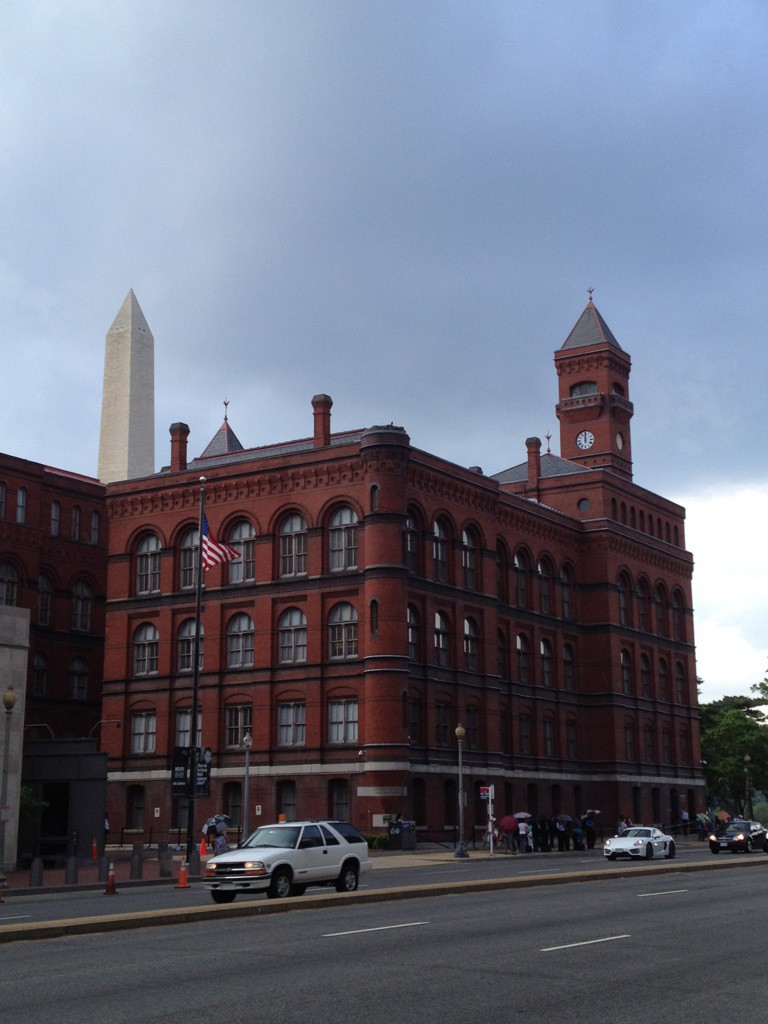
[730, 729]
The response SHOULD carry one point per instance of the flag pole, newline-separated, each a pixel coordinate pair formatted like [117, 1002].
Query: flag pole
[193, 751]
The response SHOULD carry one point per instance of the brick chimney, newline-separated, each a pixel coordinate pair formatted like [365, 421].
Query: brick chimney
[322, 406]
[179, 435]
[533, 444]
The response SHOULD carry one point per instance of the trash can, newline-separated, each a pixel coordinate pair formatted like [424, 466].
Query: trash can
[395, 832]
[408, 835]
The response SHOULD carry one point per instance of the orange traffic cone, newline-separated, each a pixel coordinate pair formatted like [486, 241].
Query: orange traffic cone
[203, 848]
[183, 883]
[94, 850]
[111, 890]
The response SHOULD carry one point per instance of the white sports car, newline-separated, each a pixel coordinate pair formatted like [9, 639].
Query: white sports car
[640, 841]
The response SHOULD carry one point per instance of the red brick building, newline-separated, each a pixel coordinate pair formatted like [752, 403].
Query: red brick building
[384, 596]
[53, 559]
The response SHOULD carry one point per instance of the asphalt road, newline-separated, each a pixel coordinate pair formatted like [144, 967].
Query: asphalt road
[680, 947]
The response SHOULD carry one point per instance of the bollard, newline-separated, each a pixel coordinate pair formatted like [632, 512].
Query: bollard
[137, 861]
[70, 874]
[194, 862]
[165, 860]
[103, 868]
[36, 873]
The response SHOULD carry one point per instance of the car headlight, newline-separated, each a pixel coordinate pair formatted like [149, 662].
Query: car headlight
[608, 842]
[740, 837]
[254, 867]
[712, 838]
[638, 842]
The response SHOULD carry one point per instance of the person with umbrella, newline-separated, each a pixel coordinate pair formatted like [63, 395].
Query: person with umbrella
[508, 826]
[215, 832]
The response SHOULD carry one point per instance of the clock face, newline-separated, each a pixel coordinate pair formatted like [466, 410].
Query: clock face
[619, 441]
[585, 439]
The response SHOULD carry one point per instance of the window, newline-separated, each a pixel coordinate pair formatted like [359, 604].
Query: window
[148, 565]
[291, 724]
[286, 799]
[623, 589]
[135, 809]
[145, 647]
[544, 570]
[470, 645]
[522, 658]
[545, 653]
[685, 755]
[626, 672]
[473, 728]
[525, 735]
[584, 387]
[549, 737]
[629, 743]
[188, 559]
[520, 567]
[569, 680]
[680, 682]
[411, 544]
[442, 640]
[570, 740]
[75, 525]
[469, 559]
[82, 600]
[239, 723]
[414, 721]
[183, 723]
[342, 540]
[666, 747]
[9, 582]
[501, 654]
[342, 721]
[95, 527]
[44, 601]
[643, 600]
[502, 569]
[78, 679]
[661, 611]
[663, 680]
[373, 617]
[143, 729]
[21, 506]
[414, 633]
[566, 589]
[342, 631]
[292, 636]
[241, 538]
[338, 802]
[645, 675]
[443, 725]
[440, 552]
[293, 546]
[55, 518]
[648, 743]
[240, 641]
[186, 646]
[233, 803]
[677, 620]
[39, 675]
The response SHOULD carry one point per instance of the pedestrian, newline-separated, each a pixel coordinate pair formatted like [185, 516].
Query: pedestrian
[544, 835]
[522, 836]
[684, 818]
[220, 844]
[562, 836]
[589, 831]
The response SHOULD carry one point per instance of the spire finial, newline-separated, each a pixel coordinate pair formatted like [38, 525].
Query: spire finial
[589, 291]
[548, 436]
[226, 403]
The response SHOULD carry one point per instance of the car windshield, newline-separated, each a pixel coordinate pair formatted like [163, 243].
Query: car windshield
[734, 830]
[637, 833]
[276, 837]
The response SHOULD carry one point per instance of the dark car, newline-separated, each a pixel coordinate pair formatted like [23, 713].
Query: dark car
[740, 837]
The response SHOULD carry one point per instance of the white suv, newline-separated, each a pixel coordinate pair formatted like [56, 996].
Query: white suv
[283, 859]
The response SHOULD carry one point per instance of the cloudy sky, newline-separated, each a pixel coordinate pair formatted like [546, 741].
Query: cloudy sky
[401, 203]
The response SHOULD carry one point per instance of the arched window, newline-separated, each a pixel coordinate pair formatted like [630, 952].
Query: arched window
[55, 518]
[292, 636]
[440, 551]
[544, 571]
[240, 641]
[643, 604]
[470, 645]
[521, 644]
[584, 387]
[521, 569]
[44, 601]
[78, 679]
[95, 527]
[75, 531]
[502, 574]
[241, 538]
[186, 646]
[148, 565]
[661, 611]
[342, 540]
[626, 672]
[373, 617]
[21, 506]
[286, 799]
[545, 653]
[146, 641]
[442, 639]
[412, 546]
[623, 587]
[414, 634]
[293, 545]
[82, 600]
[663, 680]
[645, 675]
[39, 675]
[469, 559]
[374, 495]
[569, 679]
[9, 583]
[502, 668]
[188, 559]
[566, 590]
[676, 607]
[680, 682]
[342, 631]
[629, 743]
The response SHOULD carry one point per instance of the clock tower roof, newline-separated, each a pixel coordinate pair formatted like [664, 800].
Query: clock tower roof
[590, 329]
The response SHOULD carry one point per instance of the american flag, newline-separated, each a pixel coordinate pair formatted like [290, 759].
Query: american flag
[215, 552]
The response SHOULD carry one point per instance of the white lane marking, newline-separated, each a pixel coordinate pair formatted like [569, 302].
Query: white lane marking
[18, 917]
[589, 942]
[668, 892]
[383, 928]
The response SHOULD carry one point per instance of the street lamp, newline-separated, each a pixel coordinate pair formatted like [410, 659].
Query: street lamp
[747, 811]
[9, 703]
[247, 747]
[460, 850]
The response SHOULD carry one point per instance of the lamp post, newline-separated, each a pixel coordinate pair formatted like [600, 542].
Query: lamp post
[9, 703]
[747, 809]
[460, 850]
[247, 747]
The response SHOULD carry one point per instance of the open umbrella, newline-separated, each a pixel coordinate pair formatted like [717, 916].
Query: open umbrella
[723, 816]
[565, 818]
[521, 815]
[508, 823]
[221, 822]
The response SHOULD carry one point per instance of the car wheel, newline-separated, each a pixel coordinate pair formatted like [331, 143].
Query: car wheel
[716, 849]
[671, 851]
[281, 885]
[649, 852]
[222, 895]
[299, 890]
[347, 880]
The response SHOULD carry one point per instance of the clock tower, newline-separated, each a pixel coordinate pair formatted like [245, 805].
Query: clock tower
[594, 407]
